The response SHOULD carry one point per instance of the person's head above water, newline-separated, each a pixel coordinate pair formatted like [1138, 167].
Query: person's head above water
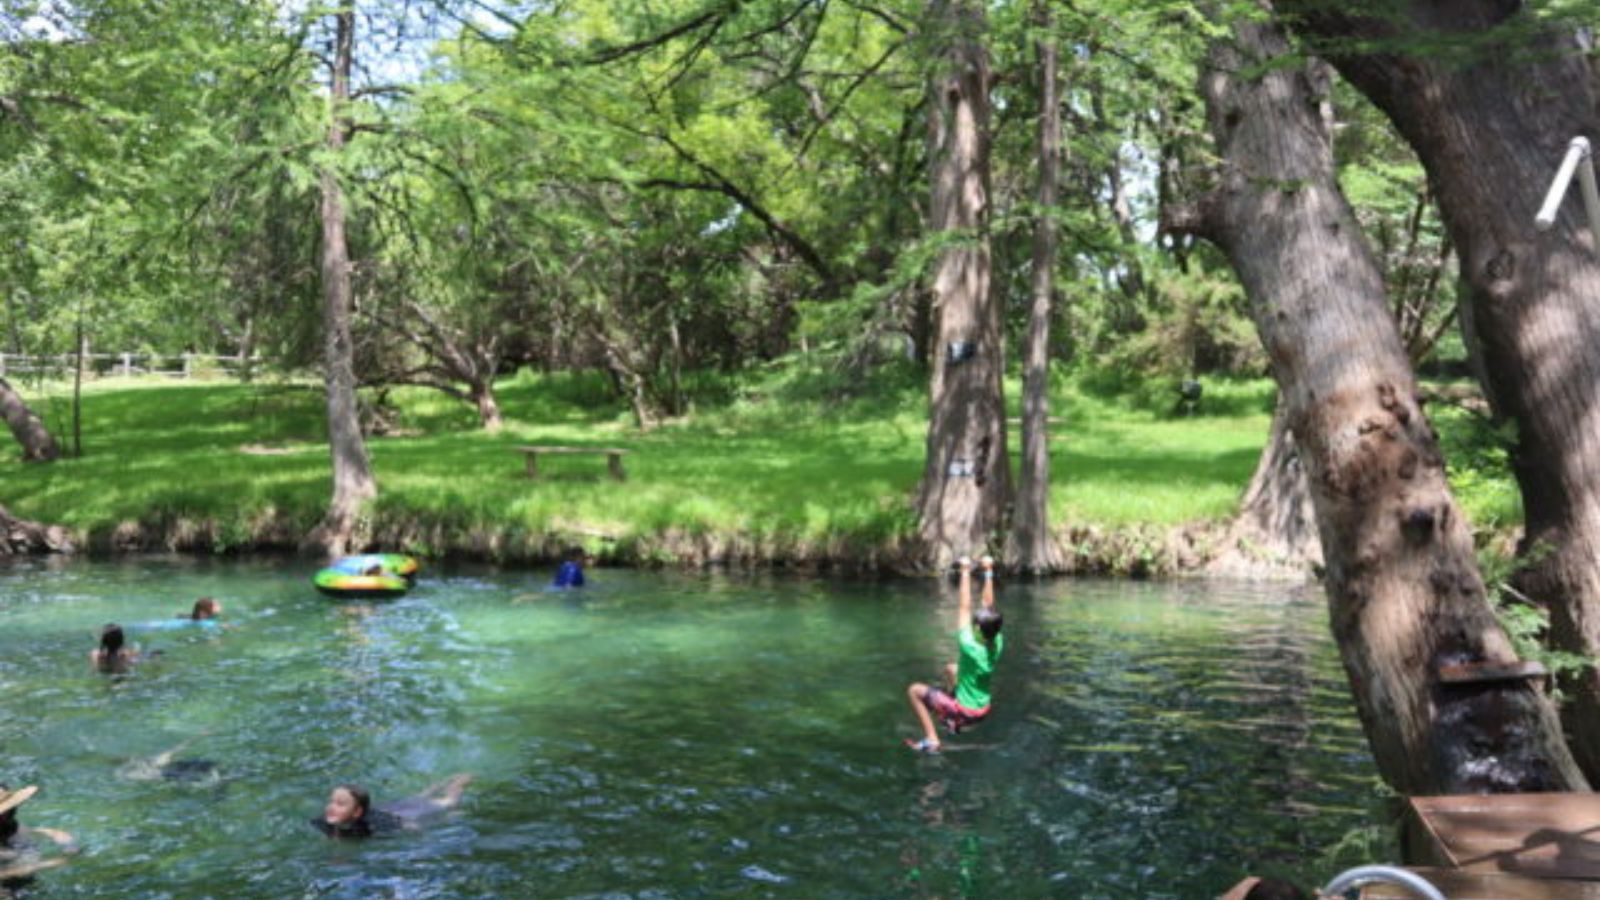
[347, 804]
[205, 608]
[1274, 889]
[111, 640]
[988, 621]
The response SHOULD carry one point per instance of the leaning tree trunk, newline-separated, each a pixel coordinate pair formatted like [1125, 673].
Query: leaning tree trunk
[1489, 123]
[1275, 530]
[353, 483]
[966, 480]
[1032, 548]
[37, 443]
[1403, 587]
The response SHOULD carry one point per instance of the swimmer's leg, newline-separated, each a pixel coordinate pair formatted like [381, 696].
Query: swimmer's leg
[916, 694]
[161, 760]
[448, 792]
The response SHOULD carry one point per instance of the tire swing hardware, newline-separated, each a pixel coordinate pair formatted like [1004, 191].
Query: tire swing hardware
[1578, 161]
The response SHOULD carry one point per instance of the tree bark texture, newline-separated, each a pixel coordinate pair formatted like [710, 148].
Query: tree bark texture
[1276, 528]
[966, 480]
[1032, 548]
[37, 443]
[1404, 591]
[1490, 116]
[353, 483]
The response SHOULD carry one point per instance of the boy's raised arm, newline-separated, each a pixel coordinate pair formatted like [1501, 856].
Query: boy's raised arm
[988, 582]
[964, 614]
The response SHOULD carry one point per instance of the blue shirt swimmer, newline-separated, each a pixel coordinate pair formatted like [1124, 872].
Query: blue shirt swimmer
[570, 575]
[204, 614]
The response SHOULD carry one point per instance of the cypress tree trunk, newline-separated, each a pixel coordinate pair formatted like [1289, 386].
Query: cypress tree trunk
[966, 480]
[1490, 122]
[1031, 547]
[37, 443]
[1403, 587]
[1275, 530]
[353, 483]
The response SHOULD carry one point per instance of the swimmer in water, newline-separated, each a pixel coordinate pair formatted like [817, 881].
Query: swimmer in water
[112, 655]
[19, 857]
[350, 813]
[205, 610]
[570, 575]
[167, 767]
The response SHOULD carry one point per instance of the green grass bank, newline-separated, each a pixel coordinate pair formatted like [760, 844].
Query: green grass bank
[797, 465]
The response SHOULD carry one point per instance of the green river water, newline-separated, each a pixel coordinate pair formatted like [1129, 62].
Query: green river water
[681, 735]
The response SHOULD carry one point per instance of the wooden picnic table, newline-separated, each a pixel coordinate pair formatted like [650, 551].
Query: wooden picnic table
[531, 454]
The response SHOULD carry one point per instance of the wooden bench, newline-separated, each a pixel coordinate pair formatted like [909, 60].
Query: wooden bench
[613, 458]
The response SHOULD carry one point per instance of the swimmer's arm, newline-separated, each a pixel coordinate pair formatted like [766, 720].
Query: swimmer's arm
[25, 869]
[62, 838]
[988, 583]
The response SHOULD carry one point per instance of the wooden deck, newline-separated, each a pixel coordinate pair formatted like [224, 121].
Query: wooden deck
[1459, 885]
[1534, 835]
[1498, 846]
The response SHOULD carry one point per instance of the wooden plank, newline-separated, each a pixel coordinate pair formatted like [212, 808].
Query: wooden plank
[616, 450]
[1459, 885]
[1473, 673]
[1537, 835]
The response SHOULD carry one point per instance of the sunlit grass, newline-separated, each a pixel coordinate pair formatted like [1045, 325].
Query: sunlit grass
[794, 455]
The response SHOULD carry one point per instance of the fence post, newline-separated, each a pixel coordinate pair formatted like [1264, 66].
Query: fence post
[127, 364]
[186, 364]
[2, 365]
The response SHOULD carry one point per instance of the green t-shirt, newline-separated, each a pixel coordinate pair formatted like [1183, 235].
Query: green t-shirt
[976, 665]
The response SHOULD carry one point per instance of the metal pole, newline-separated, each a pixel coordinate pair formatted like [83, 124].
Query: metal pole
[1591, 198]
[1578, 161]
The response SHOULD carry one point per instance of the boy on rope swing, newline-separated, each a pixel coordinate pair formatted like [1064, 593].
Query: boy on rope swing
[964, 700]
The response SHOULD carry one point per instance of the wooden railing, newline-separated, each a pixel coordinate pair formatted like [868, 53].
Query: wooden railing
[115, 365]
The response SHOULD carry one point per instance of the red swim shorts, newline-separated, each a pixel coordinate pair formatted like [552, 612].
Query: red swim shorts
[955, 716]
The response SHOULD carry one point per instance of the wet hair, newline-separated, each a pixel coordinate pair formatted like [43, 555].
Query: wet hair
[8, 822]
[1274, 889]
[111, 640]
[362, 798]
[575, 554]
[204, 608]
[988, 621]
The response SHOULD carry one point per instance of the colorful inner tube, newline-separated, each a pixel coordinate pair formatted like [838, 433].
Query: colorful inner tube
[335, 583]
[389, 564]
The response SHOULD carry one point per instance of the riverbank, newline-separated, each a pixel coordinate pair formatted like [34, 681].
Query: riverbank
[798, 468]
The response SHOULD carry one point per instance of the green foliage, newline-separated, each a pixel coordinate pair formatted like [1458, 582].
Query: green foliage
[1525, 620]
[1477, 454]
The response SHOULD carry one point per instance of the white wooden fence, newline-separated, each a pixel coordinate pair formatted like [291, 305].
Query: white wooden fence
[114, 365]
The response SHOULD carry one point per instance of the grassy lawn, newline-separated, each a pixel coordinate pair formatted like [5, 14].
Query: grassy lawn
[787, 458]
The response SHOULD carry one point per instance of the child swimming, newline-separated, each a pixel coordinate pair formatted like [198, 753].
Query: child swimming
[349, 812]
